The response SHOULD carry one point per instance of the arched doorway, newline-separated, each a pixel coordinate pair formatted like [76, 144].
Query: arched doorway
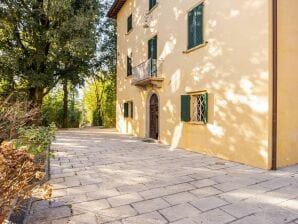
[153, 117]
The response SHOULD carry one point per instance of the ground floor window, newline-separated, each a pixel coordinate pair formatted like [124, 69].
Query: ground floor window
[128, 109]
[194, 107]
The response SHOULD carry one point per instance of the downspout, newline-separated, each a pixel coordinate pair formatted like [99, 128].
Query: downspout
[274, 100]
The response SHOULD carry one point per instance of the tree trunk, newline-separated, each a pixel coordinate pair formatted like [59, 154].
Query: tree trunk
[36, 97]
[65, 104]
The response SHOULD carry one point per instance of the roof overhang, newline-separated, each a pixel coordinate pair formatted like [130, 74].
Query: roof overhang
[117, 5]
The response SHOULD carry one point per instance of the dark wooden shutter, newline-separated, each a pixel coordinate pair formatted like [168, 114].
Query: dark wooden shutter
[131, 109]
[129, 66]
[199, 24]
[126, 110]
[191, 29]
[185, 108]
[152, 48]
[152, 3]
[129, 23]
[205, 97]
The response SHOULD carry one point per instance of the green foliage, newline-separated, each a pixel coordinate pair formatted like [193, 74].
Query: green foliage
[42, 42]
[52, 109]
[100, 101]
[36, 139]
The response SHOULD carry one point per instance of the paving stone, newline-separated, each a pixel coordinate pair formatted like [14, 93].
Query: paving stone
[180, 198]
[102, 194]
[112, 214]
[91, 206]
[203, 183]
[205, 192]
[205, 204]
[179, 212]
[242, 209]
[149, 218]
[124, 199]
[150, 205]
[215, 216]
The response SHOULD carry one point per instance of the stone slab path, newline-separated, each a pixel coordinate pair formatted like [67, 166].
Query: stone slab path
[100, 176]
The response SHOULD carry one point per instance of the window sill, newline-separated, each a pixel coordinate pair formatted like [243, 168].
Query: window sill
[195, 48]
[196, 123]
[152, 9]
[127, 33]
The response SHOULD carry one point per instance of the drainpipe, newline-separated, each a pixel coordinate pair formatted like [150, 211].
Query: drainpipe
[274, 103]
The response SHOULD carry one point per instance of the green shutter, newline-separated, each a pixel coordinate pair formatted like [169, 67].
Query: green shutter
[152, 48]
[131, 109]
[191, 29]
[126, 110]
[185, 108]
[152, 3]
[205, 97]
[129, 66]
[199, 25]
[129, 23]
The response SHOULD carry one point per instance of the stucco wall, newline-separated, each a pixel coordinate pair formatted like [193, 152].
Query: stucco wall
[233, 68]
[287, 122]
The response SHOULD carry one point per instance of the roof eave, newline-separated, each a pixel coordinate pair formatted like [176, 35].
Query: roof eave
[116, 7]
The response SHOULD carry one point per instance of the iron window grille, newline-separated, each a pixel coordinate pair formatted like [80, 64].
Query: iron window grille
[200, 108]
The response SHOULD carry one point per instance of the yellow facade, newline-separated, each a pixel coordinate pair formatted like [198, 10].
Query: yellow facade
[287, 120]
[234, 67]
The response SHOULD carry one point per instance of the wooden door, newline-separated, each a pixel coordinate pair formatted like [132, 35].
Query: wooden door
[154, 119]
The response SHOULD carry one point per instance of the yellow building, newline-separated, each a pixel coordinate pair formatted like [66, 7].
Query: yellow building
[211, 76]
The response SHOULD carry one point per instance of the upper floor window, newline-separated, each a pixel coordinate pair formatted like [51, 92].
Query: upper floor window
[152, 55]
[129, 66]
[152, 3]
[129, 23]
[195, 26]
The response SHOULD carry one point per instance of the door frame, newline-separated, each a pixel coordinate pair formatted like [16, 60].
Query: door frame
[147, 135]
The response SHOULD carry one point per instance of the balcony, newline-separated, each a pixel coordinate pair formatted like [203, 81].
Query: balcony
[147, 74]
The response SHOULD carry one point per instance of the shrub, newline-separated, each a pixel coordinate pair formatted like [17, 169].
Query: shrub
[36, 139]
[14, 115]
[20, 174]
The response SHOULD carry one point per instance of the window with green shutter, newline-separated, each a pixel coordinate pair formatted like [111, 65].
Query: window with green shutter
[128, 109]
[129, 66]
[152, 3]
[195, 26]
[129, 23]
[195, 108]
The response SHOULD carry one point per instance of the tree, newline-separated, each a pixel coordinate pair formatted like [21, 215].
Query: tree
[43, 42]
[100, 95]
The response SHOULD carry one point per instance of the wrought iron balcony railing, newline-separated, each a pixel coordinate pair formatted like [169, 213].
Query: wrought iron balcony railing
[145, 71]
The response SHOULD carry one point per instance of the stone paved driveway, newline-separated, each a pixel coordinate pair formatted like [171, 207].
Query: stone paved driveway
[100, 176]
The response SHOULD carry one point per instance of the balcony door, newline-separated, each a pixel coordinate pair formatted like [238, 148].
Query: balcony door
[154, 117]
[152, 54]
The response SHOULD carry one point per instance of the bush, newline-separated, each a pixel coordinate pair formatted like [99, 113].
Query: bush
[14, 115]
[19, 176]
[36, 139]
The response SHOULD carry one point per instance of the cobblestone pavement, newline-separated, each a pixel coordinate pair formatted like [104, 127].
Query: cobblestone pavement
[100, 176]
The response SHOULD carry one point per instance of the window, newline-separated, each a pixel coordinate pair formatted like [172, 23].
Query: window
[194, 108]
[152, 3]
[128, 109]
[152, 54]
[129, 66]
[129, 23]
[195, 26]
